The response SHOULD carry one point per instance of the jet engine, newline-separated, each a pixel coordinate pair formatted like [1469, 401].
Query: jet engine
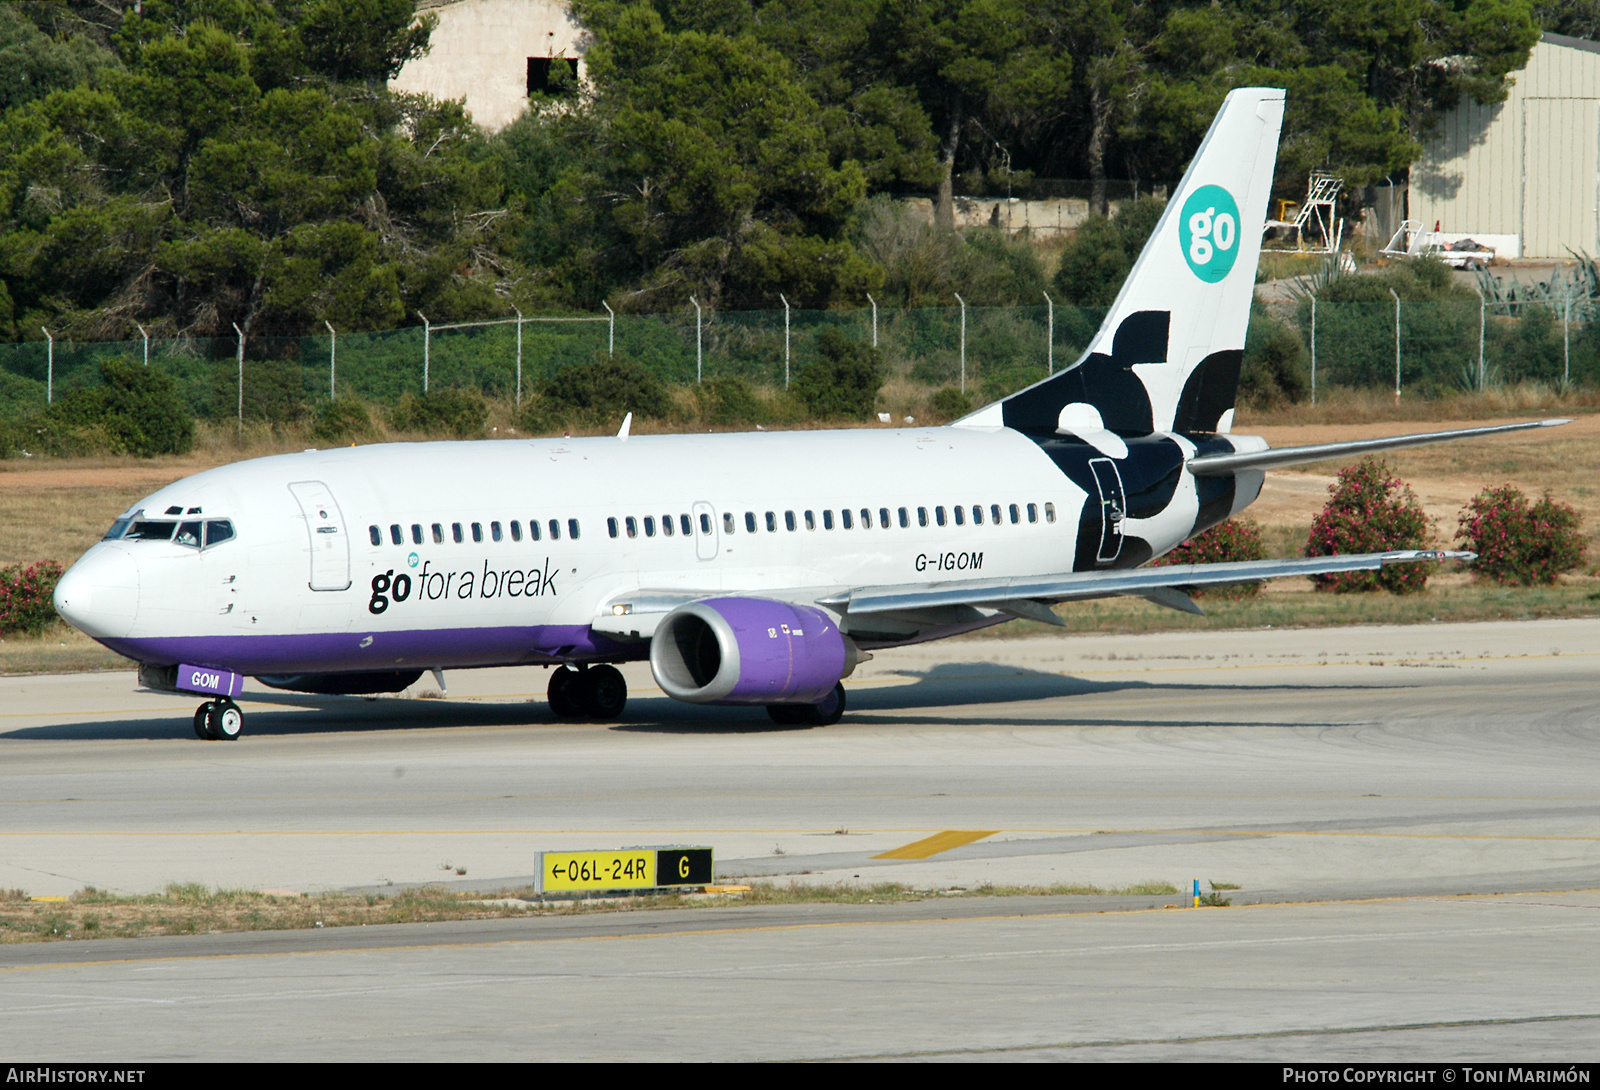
[749, 651]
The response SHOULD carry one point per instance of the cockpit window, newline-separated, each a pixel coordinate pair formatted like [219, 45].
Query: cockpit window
[145, 530]
[188, 534]
[118, 528]
[218, 531]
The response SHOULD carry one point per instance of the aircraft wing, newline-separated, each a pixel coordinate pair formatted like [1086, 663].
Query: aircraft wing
[1167, 585]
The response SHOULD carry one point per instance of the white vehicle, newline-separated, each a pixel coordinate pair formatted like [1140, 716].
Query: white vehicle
[752, 569]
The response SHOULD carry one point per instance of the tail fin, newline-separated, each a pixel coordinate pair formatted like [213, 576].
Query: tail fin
[1167, 356]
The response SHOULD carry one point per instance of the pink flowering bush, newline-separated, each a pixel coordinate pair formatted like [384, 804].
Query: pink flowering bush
[25, 597]
[1518, 542]
[1370, 510]
[1230, 540]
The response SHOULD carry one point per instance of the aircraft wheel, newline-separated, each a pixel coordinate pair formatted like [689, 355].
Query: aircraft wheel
[606, 693]
[565, 688]
[827, 711]
[786, 715]
[202, 723]
[225, 721]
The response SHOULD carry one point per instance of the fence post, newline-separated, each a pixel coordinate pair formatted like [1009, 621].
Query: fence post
[239, 331]
[785, 339]
[49, 368]
[699, 357]
[1483, 311]
[1050, 335]
[1566, 342]
[427, 335]
[1313, 350]
[146, 337]
[1396, 344]
[333, 353]
[963, 303]
[611, 329]
[519, 357]
[874, 303]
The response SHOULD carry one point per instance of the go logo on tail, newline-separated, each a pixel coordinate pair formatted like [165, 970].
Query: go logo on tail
[1209, 232]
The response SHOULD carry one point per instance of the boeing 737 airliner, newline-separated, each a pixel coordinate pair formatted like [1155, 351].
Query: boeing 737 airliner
[752, 569]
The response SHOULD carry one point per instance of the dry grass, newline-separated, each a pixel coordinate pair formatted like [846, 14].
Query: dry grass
[1344, 406]
[61, 650]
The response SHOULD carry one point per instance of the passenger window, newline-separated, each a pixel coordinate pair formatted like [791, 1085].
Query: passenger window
[494, 531]
[572, 529]
[416, 533]
[811, 520]
[1049, 512]
[977, 514]
[844, 518]
[477, 531]
[938, 515]
[772, 522]
[922, 516]
[533, 529]
[750, 521]
[396, 535]
[960, 514]
[866, 518]
[827, 520]
[375, 534]
[188, 534]
[516, 530]
[218, 531]
[904, 519]
[688, 527]
[727, 522]
[1033, 512]
[555, 529]
[883, 518]
[789, 522]
[1015, 516]
[611, 526]
[438, 534]
[649, 526]
[666, 525]
[632, 525]
[455, 532]
[994, 513]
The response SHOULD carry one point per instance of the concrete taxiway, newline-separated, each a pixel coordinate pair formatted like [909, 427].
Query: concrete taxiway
[1394, 768]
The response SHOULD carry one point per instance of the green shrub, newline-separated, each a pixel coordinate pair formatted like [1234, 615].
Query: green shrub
[600, 392]
[1234, 539]
[1277, 367]
[1370, 510]
[26, 597]
[731, 400]
[136, 410]
[1518, 542]
[461, 414]
[342, 420]
[844, 382]
[1102, 252]
[950, 403]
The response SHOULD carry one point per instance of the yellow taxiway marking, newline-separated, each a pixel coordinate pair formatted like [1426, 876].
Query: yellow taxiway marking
[938, 842]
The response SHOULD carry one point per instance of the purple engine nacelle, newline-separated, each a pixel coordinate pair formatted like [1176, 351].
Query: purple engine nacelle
[748, 651]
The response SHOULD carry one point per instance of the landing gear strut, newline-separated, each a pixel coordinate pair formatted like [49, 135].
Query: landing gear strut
[593, 692]
[218, 721]
[825, 713]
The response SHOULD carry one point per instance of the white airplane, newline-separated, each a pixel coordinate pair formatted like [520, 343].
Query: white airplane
[753, 569]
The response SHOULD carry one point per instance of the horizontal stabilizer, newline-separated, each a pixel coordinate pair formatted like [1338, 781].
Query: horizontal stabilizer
[1220, 465]
[1008, 594]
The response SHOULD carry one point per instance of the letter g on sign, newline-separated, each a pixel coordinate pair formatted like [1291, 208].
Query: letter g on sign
[1208, 232]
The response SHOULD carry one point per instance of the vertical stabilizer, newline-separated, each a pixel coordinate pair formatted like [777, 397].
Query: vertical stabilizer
[1167, 356]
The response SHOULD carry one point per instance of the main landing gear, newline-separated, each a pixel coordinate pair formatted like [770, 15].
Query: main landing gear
[824, 713]
[587, 692]
[218, 721]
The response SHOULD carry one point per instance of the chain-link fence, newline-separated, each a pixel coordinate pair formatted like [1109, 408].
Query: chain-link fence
[1425, 349]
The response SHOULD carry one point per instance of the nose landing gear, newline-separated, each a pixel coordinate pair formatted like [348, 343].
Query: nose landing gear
[218, 721]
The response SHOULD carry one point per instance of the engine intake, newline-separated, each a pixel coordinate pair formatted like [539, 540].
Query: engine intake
[749, 651]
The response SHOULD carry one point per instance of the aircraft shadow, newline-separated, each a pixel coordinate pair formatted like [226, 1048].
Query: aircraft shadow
[947, 686]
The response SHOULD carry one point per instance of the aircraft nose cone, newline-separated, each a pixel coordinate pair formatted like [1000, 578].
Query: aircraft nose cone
[99, 595]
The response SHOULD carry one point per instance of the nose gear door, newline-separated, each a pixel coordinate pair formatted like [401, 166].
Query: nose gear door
[1113, 507]
[330, 545]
